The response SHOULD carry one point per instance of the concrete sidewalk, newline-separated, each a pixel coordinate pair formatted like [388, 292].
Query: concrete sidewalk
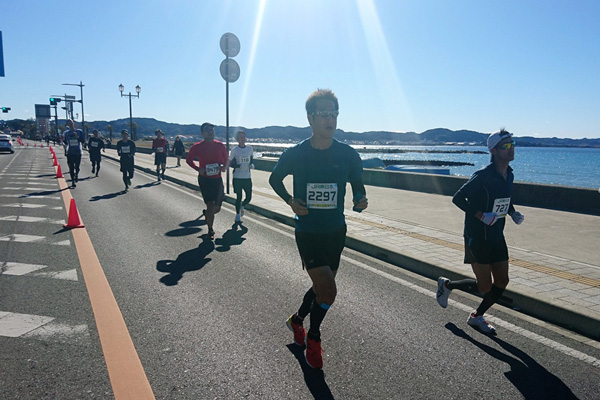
[555, 256]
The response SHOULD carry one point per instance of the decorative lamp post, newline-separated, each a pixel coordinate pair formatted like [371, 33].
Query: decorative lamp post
[138, 89]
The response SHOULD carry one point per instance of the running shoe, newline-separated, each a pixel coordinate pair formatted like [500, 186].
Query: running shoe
[480, 323]
[442, 292]
[211, 234]
[163, 177]
[298, 330]
[238, 218]
[242, 211]
[314, 353]
[97, 173]
[128, 181]
[93, 170]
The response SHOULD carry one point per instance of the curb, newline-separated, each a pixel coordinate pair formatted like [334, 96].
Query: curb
[514, 299]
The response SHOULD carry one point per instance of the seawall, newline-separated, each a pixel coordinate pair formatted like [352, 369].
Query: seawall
[556, 197]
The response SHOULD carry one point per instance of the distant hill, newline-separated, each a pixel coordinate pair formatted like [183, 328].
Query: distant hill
[288, 134]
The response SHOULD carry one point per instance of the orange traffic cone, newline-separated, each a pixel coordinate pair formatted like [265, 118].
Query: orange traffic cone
[42, 146]
[35, 145]
[59, 173]
[27, 144]
[55, 163]
[74, 221]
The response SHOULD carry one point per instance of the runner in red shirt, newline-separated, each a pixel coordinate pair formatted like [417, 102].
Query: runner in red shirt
[212, 160]
[160, 147]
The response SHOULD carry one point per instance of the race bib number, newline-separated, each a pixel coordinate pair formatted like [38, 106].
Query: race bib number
[73, 142]
[94, 144]
[321, 195]
[501, 206]
[125, 149]
[212, 169]
[245, 160]
[160, 149]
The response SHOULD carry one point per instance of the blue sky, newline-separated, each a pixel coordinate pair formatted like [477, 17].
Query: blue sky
[530, 66]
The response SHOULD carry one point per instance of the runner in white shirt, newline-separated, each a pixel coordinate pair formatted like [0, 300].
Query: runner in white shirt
[240, 159]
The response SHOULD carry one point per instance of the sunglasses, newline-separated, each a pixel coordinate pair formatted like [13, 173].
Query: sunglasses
[507, 146]
[326, 114]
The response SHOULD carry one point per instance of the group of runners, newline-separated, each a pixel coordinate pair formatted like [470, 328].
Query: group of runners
[321, 167]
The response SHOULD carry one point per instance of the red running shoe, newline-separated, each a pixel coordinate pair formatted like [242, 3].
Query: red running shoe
[314, 353]
[298, 330]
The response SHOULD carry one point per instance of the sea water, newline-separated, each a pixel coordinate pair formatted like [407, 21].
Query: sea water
[579, 167]
[571, 166]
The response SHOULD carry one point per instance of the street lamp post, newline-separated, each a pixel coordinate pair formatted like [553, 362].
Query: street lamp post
[81, 85]
[138, 89]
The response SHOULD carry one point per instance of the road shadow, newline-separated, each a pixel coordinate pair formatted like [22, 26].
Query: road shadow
[527, 375]
[147, 185]
[108, 196]
[314, 378]
[42, 193]
[187, 228]
[191, 260]
[233, 237]
[46, 176]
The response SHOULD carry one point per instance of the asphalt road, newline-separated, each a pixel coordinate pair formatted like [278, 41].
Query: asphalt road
[208, 319]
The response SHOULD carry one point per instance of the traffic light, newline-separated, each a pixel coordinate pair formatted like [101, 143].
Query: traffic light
[54, 100]
[5, 109]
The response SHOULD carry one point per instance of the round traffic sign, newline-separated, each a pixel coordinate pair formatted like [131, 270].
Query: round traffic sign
[230, 70]
[230, 45]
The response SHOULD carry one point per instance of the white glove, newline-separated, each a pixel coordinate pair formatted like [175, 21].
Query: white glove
[517, 217]
[489, 218]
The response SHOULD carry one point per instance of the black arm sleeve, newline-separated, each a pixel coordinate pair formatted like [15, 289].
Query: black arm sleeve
[358, 187]
[276, 183]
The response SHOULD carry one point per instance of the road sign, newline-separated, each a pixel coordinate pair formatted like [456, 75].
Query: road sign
[230, 44]
[42, 111]
[2, 57]
[230, 70]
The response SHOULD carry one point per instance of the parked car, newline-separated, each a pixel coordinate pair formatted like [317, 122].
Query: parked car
[6, 144]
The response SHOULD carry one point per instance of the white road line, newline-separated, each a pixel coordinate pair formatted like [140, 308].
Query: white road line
[23, 188]
[20, 238]
[23, 205]
[69, 275]
[15, 268]
[23, 218]
[55, 330]
[15, 325]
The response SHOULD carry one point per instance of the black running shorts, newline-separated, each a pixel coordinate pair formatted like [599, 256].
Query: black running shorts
[212, 189]
[321, 249]
[160, 158]
[485, 251]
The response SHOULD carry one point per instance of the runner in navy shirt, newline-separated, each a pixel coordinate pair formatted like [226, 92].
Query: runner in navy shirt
[486, 200]
[73, 140]
[95, 144]
[321, 167]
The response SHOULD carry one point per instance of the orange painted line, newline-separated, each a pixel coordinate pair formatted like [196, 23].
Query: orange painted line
[125, 370]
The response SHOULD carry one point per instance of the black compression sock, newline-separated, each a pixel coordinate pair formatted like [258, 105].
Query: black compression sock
[307, 302]
[466, 285]
[489, 299]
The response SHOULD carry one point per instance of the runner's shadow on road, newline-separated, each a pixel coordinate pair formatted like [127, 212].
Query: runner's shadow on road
[527, 375]
[187, 228]
[233, 237]
[147, 185]
[46, 176]
[314, 378]
[191, 260]
[42, 193]
[108, 196]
